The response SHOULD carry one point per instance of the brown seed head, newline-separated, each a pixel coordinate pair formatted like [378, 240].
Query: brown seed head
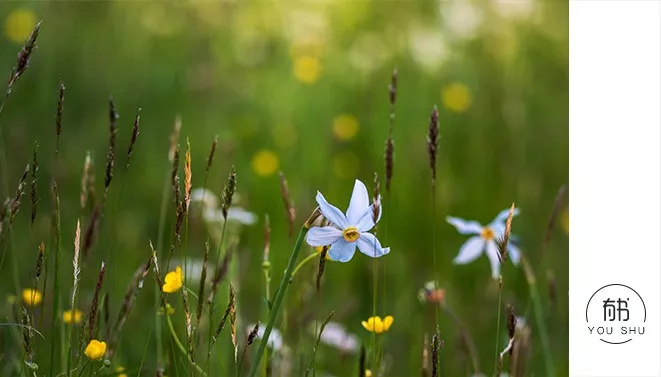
[432, 142]
[23, 59]
[134, 137]
[228, 193]
[289, 208]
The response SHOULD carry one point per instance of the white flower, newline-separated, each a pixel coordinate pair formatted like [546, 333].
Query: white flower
[204, 196]
[350, 230]
[275, 338]
[336, 335]
[234, 214]
[485, 236]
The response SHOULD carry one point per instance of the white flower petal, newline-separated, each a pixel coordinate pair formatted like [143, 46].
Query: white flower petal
[494, 260]
[470, 250]
[337, 336]
[358, 204]
[206, 197]
[319, 236]
[366, 222]
[331, 212]
[342, 251]
[240, 215]
[464, 226]
[502, 216]
[514, 253]
[370, 245]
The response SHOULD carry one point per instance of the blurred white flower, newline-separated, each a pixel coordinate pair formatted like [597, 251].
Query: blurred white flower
[275, 338]
[427, 47]
[204, 196]
[234, 214]
[515, 8]
[211, 213]
[336, 335]
[460, 18]
[305, 26]
[484, 237]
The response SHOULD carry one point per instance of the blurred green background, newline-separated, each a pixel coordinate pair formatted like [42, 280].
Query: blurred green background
[302, 87]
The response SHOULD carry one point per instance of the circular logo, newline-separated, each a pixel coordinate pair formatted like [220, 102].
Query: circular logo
[616, 314]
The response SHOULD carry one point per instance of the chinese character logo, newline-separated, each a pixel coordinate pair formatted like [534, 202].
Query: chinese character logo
[616, 314]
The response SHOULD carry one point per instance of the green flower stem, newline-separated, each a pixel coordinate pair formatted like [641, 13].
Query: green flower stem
[277, 301]
[539, 317]
[181, 346]
[500, 298]
[310, 257]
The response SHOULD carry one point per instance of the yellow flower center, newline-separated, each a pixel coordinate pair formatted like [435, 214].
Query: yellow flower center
[351, 234]
[488, 234]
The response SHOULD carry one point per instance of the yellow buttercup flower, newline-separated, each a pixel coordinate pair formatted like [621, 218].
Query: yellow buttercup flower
[173, 280]
[368, 373]
[345, 127]
[19, 24]
[32, 297]
[265, 163]
[319, 249]
[120, 371]
[307, 69]
[456, 97]
[377, 325]
[72, 316]
[95, 350]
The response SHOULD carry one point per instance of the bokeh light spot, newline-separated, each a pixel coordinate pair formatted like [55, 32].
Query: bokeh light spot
[456, 97]
[345, 127]
[307, 69]
[265, 163]
[19, 24]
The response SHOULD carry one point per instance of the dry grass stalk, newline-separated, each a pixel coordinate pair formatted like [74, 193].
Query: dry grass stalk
[95, 303]
[110, 159]
[203, 283]
[189, 325]
[316, 345]
[157, 274]
[432, 143]
[437, 344]
[39, 266]
[34, 200]
[130, 296]
[235, 340]
[91, 230]
[188, 178]
[76, 265]
[87, 182]
[174, 138]
[228, 193]
[390, 148]
[504, 241]
[27, 335]
[253, 335]
[220, 272]
[313, 217]
[174, 176]
[212, 153]
[230, 307]
[23, 59]
[106, 315]
[424, 370]
[552, 288]
[16, 203]
[289, 208]
[134, 137]
[322, 265]
[58, 117]
[521, 351]
[557, 205]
